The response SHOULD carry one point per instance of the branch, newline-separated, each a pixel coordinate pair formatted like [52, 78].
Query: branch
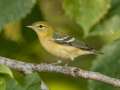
[68, 70]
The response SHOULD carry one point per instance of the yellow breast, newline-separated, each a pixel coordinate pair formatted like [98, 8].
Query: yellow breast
[59, 50]
[62, 51]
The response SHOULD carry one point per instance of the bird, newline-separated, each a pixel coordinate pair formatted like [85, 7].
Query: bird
[59, 45]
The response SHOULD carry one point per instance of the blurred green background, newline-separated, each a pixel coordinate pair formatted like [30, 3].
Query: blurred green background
[96, 22]
[23, 44]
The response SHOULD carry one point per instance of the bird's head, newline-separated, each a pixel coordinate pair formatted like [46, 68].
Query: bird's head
[41, 28]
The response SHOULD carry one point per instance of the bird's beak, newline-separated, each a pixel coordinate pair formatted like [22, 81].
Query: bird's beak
[29, 27]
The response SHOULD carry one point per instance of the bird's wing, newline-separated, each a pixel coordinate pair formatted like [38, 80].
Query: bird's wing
[70, 41]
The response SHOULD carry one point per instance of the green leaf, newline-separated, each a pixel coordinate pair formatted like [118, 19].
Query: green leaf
[115, 3]
[109, 28]
[12, 10]
[2, 84]
[30, 82]
[86, 12]
[108, 64]
[12, 84]
[5, 70]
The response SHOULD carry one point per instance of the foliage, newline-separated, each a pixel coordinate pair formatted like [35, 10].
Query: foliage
[15, 10]
[86, 13]
[107, 64]
[30, 82]
[89, 20]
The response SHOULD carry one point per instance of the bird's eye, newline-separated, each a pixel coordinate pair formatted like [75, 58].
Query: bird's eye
[41, 26]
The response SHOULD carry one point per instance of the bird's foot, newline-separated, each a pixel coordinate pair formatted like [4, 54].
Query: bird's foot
[66, 65]
[57, 63]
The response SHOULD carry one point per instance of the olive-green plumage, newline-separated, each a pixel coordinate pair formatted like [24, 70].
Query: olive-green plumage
[64, 46]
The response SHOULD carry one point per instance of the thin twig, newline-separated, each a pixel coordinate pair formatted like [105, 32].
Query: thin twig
[72, 71]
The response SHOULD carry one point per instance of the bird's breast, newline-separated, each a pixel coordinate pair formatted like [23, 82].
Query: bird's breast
[62, 51]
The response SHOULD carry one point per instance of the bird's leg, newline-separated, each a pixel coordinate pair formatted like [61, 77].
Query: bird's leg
[72, 58]
[57, 63]
[67, 64]
[60, 62]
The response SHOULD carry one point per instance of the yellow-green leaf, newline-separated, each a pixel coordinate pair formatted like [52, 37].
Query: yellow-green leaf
[12, 10]
[5, 70]
[86, 12]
